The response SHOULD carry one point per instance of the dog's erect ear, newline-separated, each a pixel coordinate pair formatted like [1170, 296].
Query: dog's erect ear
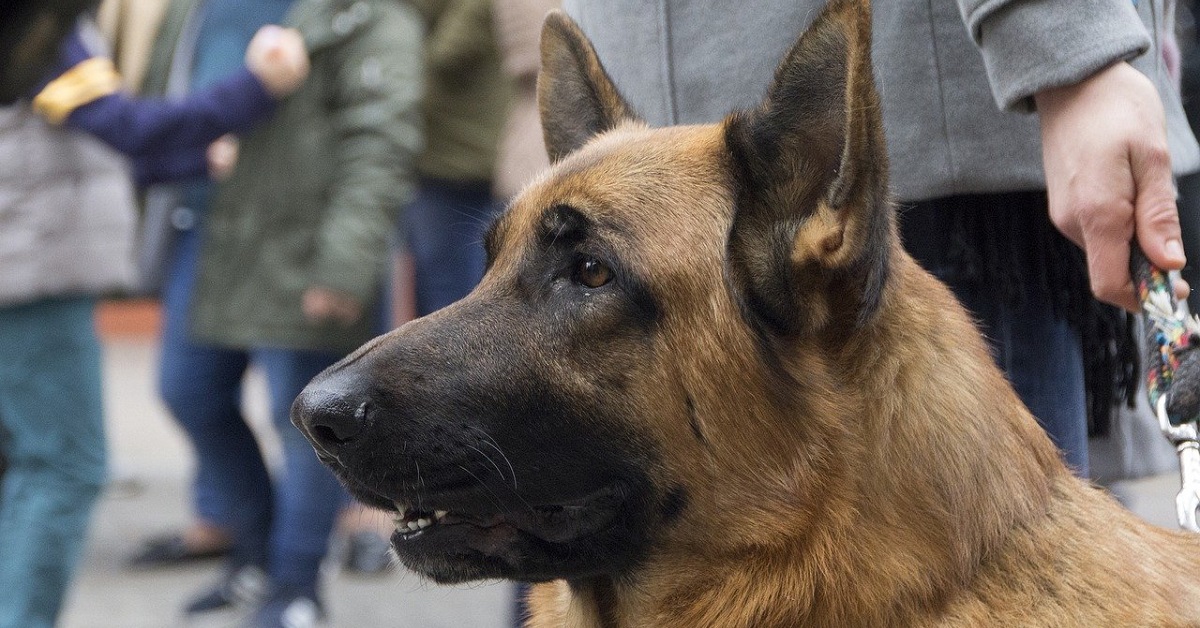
[813, 227]
[576, 97]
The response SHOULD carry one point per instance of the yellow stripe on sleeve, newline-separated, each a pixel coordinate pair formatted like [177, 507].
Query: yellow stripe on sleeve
[95, 78]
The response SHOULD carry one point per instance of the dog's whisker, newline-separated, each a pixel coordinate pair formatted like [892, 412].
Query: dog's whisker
[491, 442]
[492, 494]
[490, 461]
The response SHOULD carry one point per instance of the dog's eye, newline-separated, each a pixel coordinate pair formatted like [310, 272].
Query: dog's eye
[592, 273]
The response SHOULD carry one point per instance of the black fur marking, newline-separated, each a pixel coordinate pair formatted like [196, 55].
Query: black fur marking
[577, 98]
[567, 235]
[675, 503]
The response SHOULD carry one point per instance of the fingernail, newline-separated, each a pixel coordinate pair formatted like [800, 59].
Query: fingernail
[1174, 250]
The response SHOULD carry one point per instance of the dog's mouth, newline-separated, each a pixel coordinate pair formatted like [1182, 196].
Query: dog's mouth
[468, 533]
[552, 523]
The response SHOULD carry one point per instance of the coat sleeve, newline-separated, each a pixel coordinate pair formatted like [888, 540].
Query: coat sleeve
[137, 126]
[85, 93]
[377, 120]
[1030, 45]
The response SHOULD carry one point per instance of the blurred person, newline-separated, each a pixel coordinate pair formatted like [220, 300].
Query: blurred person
[198, 44]
[70, 198]
[66, 236]
[464, 108]
[289, 259]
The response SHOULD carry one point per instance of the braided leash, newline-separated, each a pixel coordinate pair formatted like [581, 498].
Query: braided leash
[1172, 377]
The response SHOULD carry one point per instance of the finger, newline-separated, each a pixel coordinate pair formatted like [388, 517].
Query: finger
[1155, 214]
[1108, 271]
[1182, 289]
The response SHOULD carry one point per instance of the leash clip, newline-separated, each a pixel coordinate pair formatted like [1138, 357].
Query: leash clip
[1186, 439]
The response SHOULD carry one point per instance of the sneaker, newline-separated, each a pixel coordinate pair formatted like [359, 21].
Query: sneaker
[367, 553]
[289, 609]
[239, 589]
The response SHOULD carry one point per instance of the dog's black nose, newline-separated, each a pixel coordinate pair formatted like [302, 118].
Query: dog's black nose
[331, 415]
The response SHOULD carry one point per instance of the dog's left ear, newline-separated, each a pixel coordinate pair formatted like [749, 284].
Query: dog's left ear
[576, 97]
[813, 227]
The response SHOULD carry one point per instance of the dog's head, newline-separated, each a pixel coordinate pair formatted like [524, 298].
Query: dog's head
[638, 368]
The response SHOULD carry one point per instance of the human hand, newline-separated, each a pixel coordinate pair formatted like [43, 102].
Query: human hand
[1108, 176]
[222, 157]
[278, 57]
[322, 304]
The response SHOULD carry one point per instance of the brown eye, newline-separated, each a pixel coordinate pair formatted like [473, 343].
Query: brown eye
[592, 273]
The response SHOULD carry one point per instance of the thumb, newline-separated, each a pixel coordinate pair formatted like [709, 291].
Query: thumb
[1156, 217]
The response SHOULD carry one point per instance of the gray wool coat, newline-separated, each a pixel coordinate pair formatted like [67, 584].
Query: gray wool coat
[956, 77]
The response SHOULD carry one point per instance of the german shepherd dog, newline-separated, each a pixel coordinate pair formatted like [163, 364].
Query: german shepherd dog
[702, 384]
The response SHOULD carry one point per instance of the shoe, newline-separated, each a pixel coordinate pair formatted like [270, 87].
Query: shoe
[367, 553]
[289, 608]
[240, 589]
[171, 550]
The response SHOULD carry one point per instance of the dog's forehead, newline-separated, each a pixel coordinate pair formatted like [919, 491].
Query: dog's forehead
[655, 178]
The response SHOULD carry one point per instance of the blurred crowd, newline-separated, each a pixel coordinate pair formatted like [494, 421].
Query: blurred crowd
[288, 178]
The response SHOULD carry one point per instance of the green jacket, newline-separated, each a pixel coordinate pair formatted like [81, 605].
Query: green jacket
[467, 97]
[313, 199]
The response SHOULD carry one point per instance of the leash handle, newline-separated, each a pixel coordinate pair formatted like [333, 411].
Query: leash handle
[1172, 376]
[1171, 334]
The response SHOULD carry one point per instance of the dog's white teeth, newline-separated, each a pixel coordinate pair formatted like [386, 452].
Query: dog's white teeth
[413, 525]
[440, 514]
[424, 523]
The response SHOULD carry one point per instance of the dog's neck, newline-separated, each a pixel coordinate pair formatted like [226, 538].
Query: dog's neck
[922, 465]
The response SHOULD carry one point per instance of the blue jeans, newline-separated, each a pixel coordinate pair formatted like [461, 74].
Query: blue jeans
[445, 225]
[283, 524]
[52, 436]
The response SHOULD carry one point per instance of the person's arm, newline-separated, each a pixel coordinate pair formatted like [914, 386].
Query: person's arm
[136, 126]
[1104, 140]
[88, 96]
[377, 118]
[169, 166]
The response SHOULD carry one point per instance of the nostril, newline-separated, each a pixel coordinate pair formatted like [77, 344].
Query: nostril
[337, 424]
[325, 434]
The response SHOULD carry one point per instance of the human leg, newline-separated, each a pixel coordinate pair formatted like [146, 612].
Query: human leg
[445, 225]
[201, 386]
[308, 496]
[51, 417]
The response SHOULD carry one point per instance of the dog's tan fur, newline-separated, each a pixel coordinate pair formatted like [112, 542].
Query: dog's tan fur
[899, 482]
[702, 385]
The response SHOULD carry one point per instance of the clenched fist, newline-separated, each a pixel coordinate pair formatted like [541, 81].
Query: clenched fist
[278, 57]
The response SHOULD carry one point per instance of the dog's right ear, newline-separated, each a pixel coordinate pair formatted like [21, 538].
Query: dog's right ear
[576, 97]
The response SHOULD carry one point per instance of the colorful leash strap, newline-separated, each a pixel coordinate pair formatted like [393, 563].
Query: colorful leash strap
[1172, 377]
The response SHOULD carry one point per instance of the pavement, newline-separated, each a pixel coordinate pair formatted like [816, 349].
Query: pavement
[151, 465]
